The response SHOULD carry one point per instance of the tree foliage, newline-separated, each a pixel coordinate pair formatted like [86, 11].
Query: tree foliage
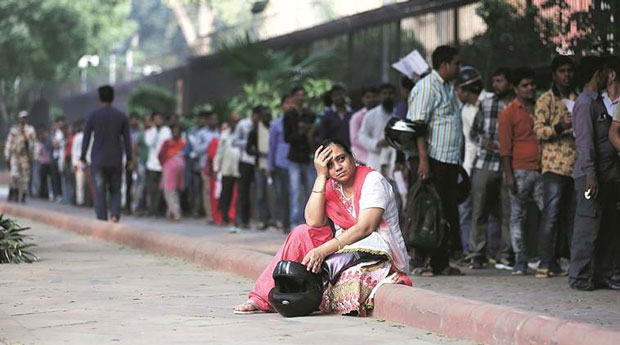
[43, 40]
[146, 98]
[514, 37]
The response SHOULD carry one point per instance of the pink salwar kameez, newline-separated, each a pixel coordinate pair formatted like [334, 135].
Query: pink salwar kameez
[354, 290]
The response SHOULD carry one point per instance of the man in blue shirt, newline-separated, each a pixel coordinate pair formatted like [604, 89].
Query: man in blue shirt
[111, 140]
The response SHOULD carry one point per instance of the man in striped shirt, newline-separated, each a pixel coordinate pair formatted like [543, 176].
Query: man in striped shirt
[433, 101]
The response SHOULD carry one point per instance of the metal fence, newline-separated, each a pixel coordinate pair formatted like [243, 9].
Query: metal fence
[368, 42]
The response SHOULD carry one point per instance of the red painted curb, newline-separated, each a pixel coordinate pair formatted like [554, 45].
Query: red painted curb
[450, 315]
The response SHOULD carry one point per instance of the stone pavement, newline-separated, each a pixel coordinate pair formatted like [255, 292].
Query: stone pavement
[518, 309]
[86, 291]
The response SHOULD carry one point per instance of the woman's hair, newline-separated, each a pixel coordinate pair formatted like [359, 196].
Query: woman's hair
[338, 142]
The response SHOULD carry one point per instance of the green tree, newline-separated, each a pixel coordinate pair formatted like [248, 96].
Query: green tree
[43, 40]
[514, 37]
[146, 98]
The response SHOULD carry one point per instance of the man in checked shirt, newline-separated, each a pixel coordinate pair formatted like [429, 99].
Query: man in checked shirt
[489, 195]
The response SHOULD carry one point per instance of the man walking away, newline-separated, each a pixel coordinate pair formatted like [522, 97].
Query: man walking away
[110, 128]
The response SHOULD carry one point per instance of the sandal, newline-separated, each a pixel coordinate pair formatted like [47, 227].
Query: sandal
[422, 272]
[249, 307]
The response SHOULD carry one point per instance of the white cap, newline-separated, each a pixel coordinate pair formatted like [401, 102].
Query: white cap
[22, 114]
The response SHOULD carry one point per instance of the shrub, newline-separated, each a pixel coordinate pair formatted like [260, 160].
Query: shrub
[13, 246]
[148, 97]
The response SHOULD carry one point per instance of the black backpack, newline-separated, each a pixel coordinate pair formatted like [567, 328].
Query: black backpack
[424, 225]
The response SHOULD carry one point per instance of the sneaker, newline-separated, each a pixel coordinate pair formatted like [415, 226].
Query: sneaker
[503, 264]
[557, 272]
[542, 273]
[478, 263]
[533, 265]
[519, 270]
[582, 285]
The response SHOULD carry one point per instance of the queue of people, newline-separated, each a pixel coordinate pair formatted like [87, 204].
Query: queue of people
[336, 173]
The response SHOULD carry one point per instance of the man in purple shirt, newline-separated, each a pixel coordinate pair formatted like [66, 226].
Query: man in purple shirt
[277, 164]
[111, 141]
[596, 175]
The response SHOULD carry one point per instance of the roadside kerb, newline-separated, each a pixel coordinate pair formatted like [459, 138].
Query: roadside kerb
[450, 315]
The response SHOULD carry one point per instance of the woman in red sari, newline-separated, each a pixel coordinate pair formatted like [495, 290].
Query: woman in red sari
[172, 159]
[361, 204]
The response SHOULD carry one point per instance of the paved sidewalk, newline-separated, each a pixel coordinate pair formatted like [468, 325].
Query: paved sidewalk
[550, 297]
[86, 291]
[487, 305]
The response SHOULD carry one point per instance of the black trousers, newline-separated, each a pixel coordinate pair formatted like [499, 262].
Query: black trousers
[243, 196]
[596, 235]
[226, 196]
[153, 193]
[445, 178]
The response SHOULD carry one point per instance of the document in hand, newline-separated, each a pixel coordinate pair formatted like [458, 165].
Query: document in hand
[412, 65]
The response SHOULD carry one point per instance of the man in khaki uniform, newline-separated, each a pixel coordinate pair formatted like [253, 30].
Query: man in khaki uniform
[18, 151]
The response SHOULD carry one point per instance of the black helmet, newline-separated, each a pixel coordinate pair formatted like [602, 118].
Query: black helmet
[467, 76]
[402, 134]
[298, 292]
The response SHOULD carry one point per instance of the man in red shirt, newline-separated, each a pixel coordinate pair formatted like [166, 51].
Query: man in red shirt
[519, 152]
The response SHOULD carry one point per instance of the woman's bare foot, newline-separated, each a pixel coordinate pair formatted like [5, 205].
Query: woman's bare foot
[247, 308]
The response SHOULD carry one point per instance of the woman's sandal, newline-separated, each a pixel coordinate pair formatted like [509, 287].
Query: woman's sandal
[422, 272]
[247, 308]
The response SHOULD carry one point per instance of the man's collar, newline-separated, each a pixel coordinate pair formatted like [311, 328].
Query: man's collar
[436, 74]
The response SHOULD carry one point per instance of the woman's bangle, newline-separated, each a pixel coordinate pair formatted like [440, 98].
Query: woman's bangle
[318, 191]
[339, 243]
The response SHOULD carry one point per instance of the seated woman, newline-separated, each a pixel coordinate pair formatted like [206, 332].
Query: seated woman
[361, 204]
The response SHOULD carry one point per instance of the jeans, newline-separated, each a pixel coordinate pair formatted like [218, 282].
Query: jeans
[558, 202]
[262, 204]
[529, 185]
[299, 174]
[35, 180]
[465, 213]
[281, 189]
[595, 239]
[107, 180]
[490, 201]
[138, 188]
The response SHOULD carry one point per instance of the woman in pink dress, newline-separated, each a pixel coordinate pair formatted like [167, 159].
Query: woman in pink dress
[361, 204]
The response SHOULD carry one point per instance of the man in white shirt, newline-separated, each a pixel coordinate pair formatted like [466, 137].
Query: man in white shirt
[371, 135]
[246, 166]
[369, 100]
[154, 138]
[611, 96]
[468, 86]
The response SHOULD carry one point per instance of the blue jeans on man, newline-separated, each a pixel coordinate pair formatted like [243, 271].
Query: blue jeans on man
[529, 186]
[558, 203]
[262, 204]
[107, 181]
[300, 174]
